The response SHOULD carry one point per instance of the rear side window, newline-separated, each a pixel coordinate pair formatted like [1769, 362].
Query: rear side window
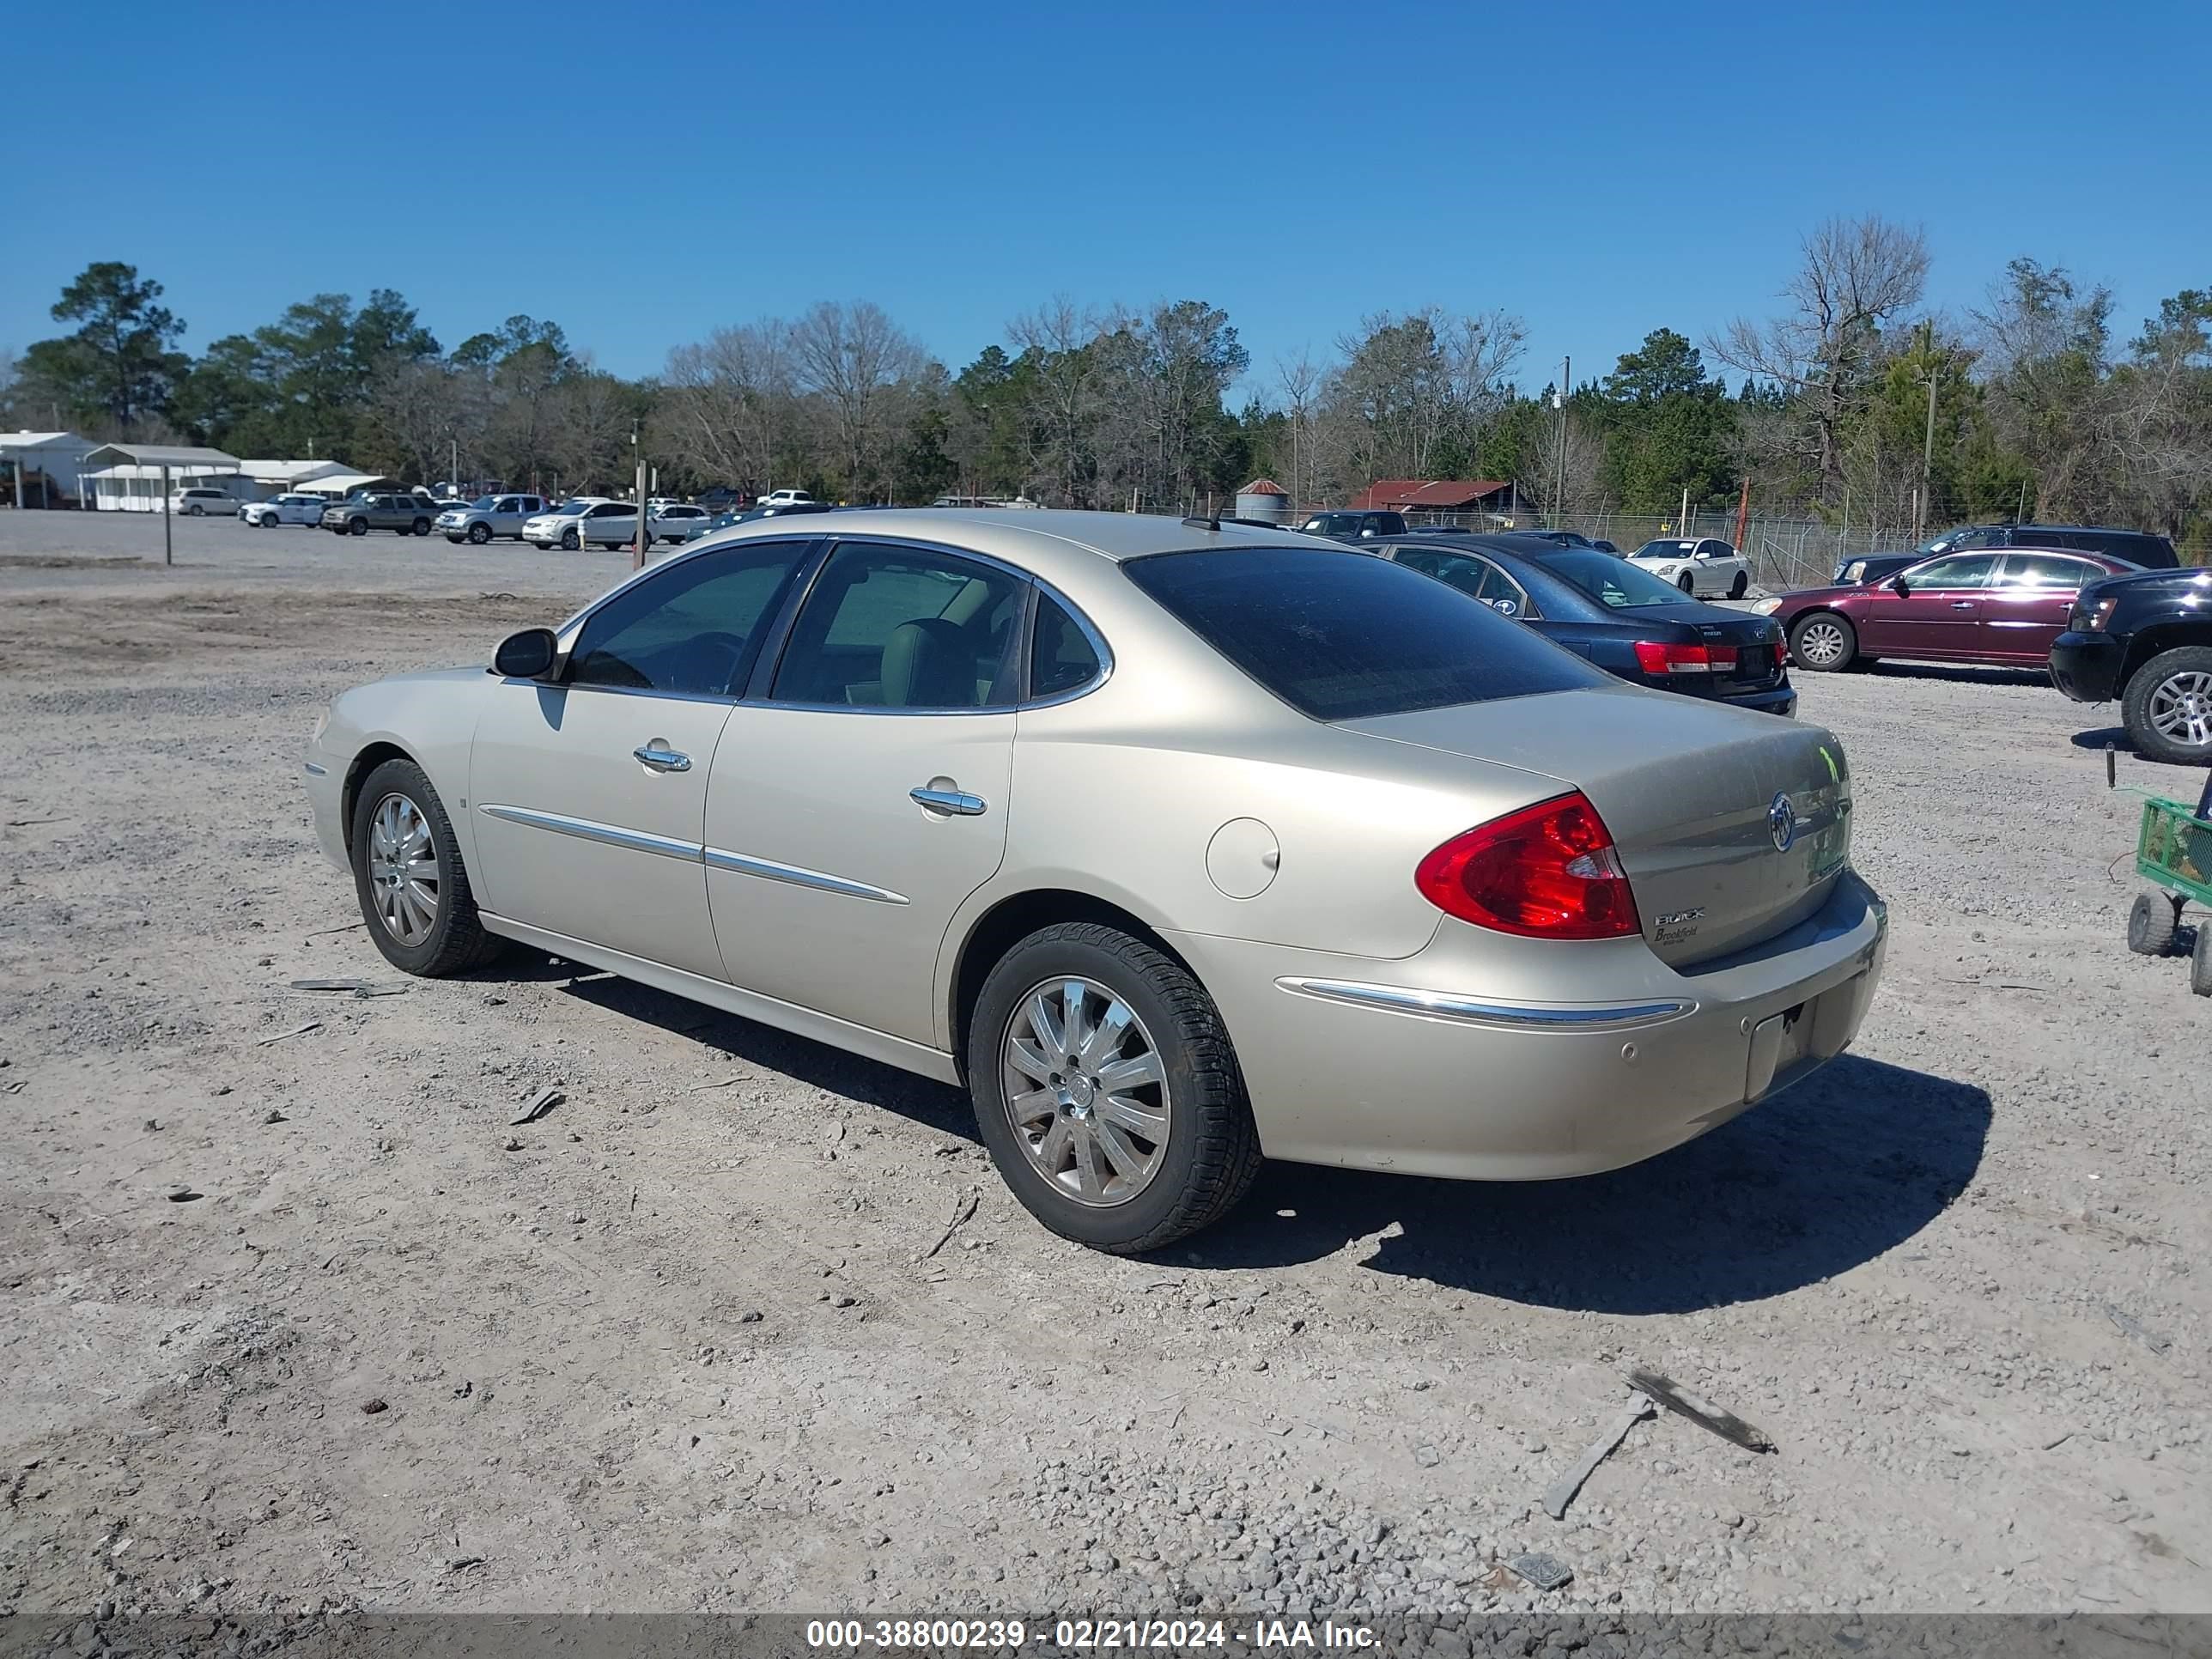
[1062, 657]
[1341, 636]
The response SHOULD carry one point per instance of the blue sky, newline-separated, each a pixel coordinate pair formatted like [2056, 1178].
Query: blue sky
[642, 175]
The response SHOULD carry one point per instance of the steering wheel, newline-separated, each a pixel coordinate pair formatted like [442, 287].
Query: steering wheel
[717, 654]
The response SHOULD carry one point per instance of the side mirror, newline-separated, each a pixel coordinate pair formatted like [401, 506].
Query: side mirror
[527, 655]
[1902, 588]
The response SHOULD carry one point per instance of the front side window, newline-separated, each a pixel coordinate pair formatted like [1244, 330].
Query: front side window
[1062, 657]
[1341, 637]
[1968, 570]
[899, 628]
[694, 628]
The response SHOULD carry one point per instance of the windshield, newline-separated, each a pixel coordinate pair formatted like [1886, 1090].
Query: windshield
[1952, 541]
[1342, 637]
[570, 509]
[481, 504]
[1666, 550]
[1613, 582]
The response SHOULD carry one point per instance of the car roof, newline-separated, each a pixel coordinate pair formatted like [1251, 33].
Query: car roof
[1046, 541]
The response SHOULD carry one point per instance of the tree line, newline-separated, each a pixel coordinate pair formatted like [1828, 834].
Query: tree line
[1851, 399]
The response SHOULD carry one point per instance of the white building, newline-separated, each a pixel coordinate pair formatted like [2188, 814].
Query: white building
[130, 477]
[44, 468]
[342, 481]
[273, 478]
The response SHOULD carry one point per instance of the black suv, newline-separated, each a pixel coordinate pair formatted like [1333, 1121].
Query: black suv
[1361, 524]
[2135, 546]
[2146, 640]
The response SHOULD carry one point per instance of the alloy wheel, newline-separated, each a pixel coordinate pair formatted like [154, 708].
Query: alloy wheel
[402, 870]
[1820, 643]
[1086, 1091]
[2181, 709]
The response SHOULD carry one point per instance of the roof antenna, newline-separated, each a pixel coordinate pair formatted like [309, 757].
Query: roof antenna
[1213, 524]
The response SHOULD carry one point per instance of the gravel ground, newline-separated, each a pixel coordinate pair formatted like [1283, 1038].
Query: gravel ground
[301, 1321]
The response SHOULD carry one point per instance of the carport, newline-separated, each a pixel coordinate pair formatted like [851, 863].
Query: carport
[138, 477]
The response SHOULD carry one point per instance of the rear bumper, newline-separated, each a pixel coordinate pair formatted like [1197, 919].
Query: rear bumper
[1775, 700]
[1409, 1066]
[2086, 666]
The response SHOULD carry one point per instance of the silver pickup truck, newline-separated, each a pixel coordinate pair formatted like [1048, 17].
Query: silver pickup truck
[490, 516]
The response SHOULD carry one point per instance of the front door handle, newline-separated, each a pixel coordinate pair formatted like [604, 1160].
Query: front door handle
[656, 757]
[1962, 605]
[953, 802]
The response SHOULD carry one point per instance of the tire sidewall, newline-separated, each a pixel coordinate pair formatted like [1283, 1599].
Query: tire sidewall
[1843, 624]
[399, 777]
[1029, 963]
[2135, 705]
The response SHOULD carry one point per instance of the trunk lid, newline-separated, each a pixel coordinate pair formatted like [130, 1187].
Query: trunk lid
[1731, 825]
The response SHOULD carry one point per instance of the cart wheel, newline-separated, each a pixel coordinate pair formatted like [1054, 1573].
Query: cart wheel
[2151, 925]
[2200, 960]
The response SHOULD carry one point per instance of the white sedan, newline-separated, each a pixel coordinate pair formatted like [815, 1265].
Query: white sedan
[679, 521]
[284, 509]
[1704, 568]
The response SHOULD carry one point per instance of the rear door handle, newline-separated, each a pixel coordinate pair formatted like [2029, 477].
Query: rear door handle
[655, 756]
[953, 802]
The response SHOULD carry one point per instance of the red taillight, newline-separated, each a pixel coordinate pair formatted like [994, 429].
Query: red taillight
[1546, 872]
[1665, 657]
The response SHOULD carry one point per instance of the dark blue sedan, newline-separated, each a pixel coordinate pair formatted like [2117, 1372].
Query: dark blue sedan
[1627, 621]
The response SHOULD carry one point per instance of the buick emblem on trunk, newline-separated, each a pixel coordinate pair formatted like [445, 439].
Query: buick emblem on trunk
[1781, 822]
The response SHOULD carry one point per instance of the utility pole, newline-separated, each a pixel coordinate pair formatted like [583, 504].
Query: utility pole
[169, 554]
[1928, 445]
[1682, 522]
[453, 465]
[1560, 497]
[644, 537]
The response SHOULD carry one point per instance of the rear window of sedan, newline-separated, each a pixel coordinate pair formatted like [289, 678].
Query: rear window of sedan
[1342, 636]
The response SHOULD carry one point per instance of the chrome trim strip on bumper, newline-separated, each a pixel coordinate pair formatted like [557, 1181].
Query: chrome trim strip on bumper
[1445, 1005]
[768, 869]
[636, 841]
[313, 770]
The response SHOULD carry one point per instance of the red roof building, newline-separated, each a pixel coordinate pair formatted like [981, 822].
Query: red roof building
[1432, 494]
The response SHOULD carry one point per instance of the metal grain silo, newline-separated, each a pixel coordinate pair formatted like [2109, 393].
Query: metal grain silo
[1263, 498]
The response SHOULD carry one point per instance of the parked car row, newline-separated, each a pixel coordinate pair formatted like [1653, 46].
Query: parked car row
[1373, 801]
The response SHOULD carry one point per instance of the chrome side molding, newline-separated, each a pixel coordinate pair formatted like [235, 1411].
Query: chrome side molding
[1472, 1010]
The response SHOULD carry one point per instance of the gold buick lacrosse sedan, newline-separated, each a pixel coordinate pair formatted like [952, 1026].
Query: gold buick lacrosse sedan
[1178, 844]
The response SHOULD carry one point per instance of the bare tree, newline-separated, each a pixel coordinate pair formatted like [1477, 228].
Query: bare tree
[730, 410]
[418, 411]
[1567, 457]
[1060, 339]
[1300, 379]
[853, 359]
[1857, 276]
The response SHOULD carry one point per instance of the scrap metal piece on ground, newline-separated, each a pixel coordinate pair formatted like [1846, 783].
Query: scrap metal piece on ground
[2128, 1327]
[544, 1102]
[1545, 1572]
[297, 1031]
[1561, 1493]
[959, 1215]
[1700, 1411]
[330, 984]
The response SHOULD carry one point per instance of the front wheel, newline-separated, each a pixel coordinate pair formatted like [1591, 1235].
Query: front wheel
[356, 526]
[1824, 642]
[2167, 707]
[570, 541]
[479, 534]
[1738, 588]
[408, 874]
[1686, 582]
[1107, 1090]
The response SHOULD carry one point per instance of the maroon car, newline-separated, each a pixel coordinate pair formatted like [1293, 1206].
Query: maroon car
[2002, 606]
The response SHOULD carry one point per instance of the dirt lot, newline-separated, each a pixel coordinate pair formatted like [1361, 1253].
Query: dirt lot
[687, 1342]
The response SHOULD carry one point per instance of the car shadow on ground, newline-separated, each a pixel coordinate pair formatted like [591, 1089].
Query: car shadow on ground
[1840, 1170]
[1956, 673]
[1847, 1165]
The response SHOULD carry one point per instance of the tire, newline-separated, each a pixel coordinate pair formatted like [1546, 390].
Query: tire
[1832, 647]
[456, 540]
[1211, 1150]
[570, 541]
[195, 510]
[420, 528]
[453, 941]
[2200, 960]
[2167, 707]
[356, 526]
[479, 534]
[2153, 921]
[1687, 583]
[1740, 586]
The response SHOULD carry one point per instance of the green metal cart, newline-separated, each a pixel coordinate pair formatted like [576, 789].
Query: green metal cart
[2173, 848]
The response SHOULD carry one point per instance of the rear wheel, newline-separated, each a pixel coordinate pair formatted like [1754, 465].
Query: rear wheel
[2153, 920]
[195, 510]
[2167, 707]
[2200, 962]
[1107, 1090]
[479, 532]
[1824, 642]
[1737, 587]
[408, 874]
[420, 528]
